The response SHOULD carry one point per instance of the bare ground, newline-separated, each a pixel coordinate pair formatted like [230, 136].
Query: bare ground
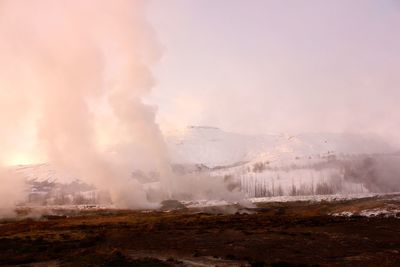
[275, 234]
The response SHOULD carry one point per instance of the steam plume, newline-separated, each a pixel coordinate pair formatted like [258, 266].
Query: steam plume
[73, 74]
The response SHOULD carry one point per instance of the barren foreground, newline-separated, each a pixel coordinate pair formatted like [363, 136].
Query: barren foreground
[273, 234]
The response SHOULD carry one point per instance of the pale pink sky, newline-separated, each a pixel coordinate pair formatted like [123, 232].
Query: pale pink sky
[279, 66]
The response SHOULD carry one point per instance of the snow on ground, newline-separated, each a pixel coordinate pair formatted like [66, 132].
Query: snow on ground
[314, 198]
[378, 212]
[206, 203]
[69, 207]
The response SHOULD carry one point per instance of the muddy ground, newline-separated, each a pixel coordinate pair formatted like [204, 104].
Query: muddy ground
[273, 234]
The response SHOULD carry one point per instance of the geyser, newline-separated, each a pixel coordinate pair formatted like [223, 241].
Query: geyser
[72, 78]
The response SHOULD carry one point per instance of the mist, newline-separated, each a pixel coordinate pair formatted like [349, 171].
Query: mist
[379, 173]
[73, 75]
[268, 66]
[199, 133]
[87, 86]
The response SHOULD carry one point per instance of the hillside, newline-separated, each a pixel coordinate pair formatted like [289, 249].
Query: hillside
[258, 165]
[213, 147]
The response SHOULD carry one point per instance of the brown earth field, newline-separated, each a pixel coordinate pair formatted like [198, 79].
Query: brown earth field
[272, 234]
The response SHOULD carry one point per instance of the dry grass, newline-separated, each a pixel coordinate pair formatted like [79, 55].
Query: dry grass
[277, 234]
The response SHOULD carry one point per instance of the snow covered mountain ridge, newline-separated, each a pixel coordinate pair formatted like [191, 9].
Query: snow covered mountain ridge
[267, 165]
[213, 147]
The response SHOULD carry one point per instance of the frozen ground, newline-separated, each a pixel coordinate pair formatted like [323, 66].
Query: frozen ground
[317, 198]
[395, 213]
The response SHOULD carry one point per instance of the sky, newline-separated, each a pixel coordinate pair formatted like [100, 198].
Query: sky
[265, 66]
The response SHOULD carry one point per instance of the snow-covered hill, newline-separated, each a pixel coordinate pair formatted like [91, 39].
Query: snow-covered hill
[282, 164]
[214, 147]
[259, 165]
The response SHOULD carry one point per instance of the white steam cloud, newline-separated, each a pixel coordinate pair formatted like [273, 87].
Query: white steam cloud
[72, 77]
